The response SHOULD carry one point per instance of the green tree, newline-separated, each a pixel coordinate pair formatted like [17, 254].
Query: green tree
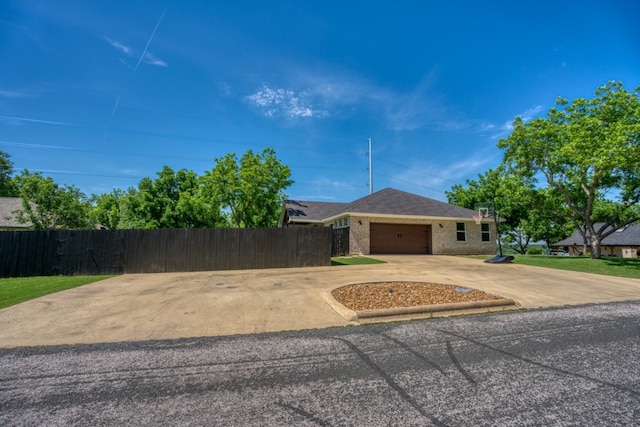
[547, 217]
[507, 195]
[175, 199]
[130, 213]
[106, 208]
[588, 151]
[251, 188]
[49, 206]
[7, 184]
[527, 214]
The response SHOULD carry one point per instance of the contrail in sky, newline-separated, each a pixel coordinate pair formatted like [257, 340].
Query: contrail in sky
[25, 119]
[115, 107]
[144, 52]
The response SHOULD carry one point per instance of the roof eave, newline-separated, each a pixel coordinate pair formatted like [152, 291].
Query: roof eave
[381, 215]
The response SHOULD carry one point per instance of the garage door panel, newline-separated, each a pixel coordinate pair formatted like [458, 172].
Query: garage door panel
[399, 239]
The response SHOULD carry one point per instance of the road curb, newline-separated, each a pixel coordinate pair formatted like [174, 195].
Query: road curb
[353, 315]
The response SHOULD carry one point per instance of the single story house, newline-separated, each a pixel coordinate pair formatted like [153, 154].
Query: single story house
[623, 242]
[396, 222]
[8, 218]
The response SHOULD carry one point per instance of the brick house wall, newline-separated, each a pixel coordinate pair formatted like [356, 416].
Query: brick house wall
[444, 235]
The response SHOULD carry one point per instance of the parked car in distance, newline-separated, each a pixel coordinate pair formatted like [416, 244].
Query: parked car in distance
[559, 252]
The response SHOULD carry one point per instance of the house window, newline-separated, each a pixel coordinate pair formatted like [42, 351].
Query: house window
[486, 233]
[342, 223]
[461, 233]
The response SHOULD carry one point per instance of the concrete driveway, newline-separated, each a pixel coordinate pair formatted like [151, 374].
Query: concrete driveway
[176, 305]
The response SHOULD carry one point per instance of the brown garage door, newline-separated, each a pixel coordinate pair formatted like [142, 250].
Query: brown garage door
[400, 239]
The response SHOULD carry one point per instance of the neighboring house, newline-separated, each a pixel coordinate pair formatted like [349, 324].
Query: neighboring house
[623, 242]
[395, 222]
[8, 218]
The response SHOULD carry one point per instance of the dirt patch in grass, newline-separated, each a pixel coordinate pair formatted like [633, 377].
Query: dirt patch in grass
[379, 295]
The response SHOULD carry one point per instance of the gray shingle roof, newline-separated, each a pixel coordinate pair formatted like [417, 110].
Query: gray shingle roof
[387, 202]
[7, 218]
[312, 211]
[395, 202]
[629, 236]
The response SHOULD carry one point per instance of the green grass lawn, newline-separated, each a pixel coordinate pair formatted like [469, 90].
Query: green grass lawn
[16, 290]
[622, 267]
[354, 260]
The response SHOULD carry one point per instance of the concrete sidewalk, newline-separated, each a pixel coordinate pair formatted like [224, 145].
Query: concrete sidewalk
[177, 305]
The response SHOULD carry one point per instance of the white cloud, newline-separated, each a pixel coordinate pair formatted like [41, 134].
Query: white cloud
[484, 127]
[147, 57]
[507, 126]
[153, 60]
[121, 47]
[321, 94]
[435, 179]
[225, 89]
[416, 109]
[284, 102]
[530, 113]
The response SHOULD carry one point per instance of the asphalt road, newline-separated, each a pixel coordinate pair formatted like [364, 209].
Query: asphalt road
[569, 366]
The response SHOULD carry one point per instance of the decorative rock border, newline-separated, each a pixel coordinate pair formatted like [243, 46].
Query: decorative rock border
[351, 315]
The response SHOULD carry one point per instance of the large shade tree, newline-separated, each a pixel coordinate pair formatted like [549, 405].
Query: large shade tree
[251, 188]
[50, 206]
[175, 199]
[525, 213]
[588, 151]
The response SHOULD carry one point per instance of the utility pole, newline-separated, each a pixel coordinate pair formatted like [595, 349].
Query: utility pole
[370, 169]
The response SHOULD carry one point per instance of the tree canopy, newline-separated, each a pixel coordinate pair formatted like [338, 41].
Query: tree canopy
[588, 152]
[49, 206]
[7, 184]
[527, 213]
[245, 192]
[175, 199]
[252, 187]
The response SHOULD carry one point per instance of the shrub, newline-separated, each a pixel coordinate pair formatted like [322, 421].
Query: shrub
[535, 250]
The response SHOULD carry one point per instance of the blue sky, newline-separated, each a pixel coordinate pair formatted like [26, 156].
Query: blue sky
[99, 94]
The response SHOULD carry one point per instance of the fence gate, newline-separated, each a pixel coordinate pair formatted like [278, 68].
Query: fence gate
[340, 242]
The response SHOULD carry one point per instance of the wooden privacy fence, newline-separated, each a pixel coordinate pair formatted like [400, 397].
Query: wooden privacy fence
[71, 252]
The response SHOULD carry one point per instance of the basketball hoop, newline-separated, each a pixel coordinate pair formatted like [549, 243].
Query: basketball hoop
[478, 218]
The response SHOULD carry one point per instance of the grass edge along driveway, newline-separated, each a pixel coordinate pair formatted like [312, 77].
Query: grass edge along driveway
[608, 266]
[20, 289]
[16, 290]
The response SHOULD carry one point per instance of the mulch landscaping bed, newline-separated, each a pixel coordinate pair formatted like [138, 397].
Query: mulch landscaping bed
[380, 295]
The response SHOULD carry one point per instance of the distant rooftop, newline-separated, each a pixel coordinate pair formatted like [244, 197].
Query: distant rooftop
[8, 220]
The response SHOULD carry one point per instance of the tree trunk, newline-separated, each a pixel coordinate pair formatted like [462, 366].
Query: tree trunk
[595, 248]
